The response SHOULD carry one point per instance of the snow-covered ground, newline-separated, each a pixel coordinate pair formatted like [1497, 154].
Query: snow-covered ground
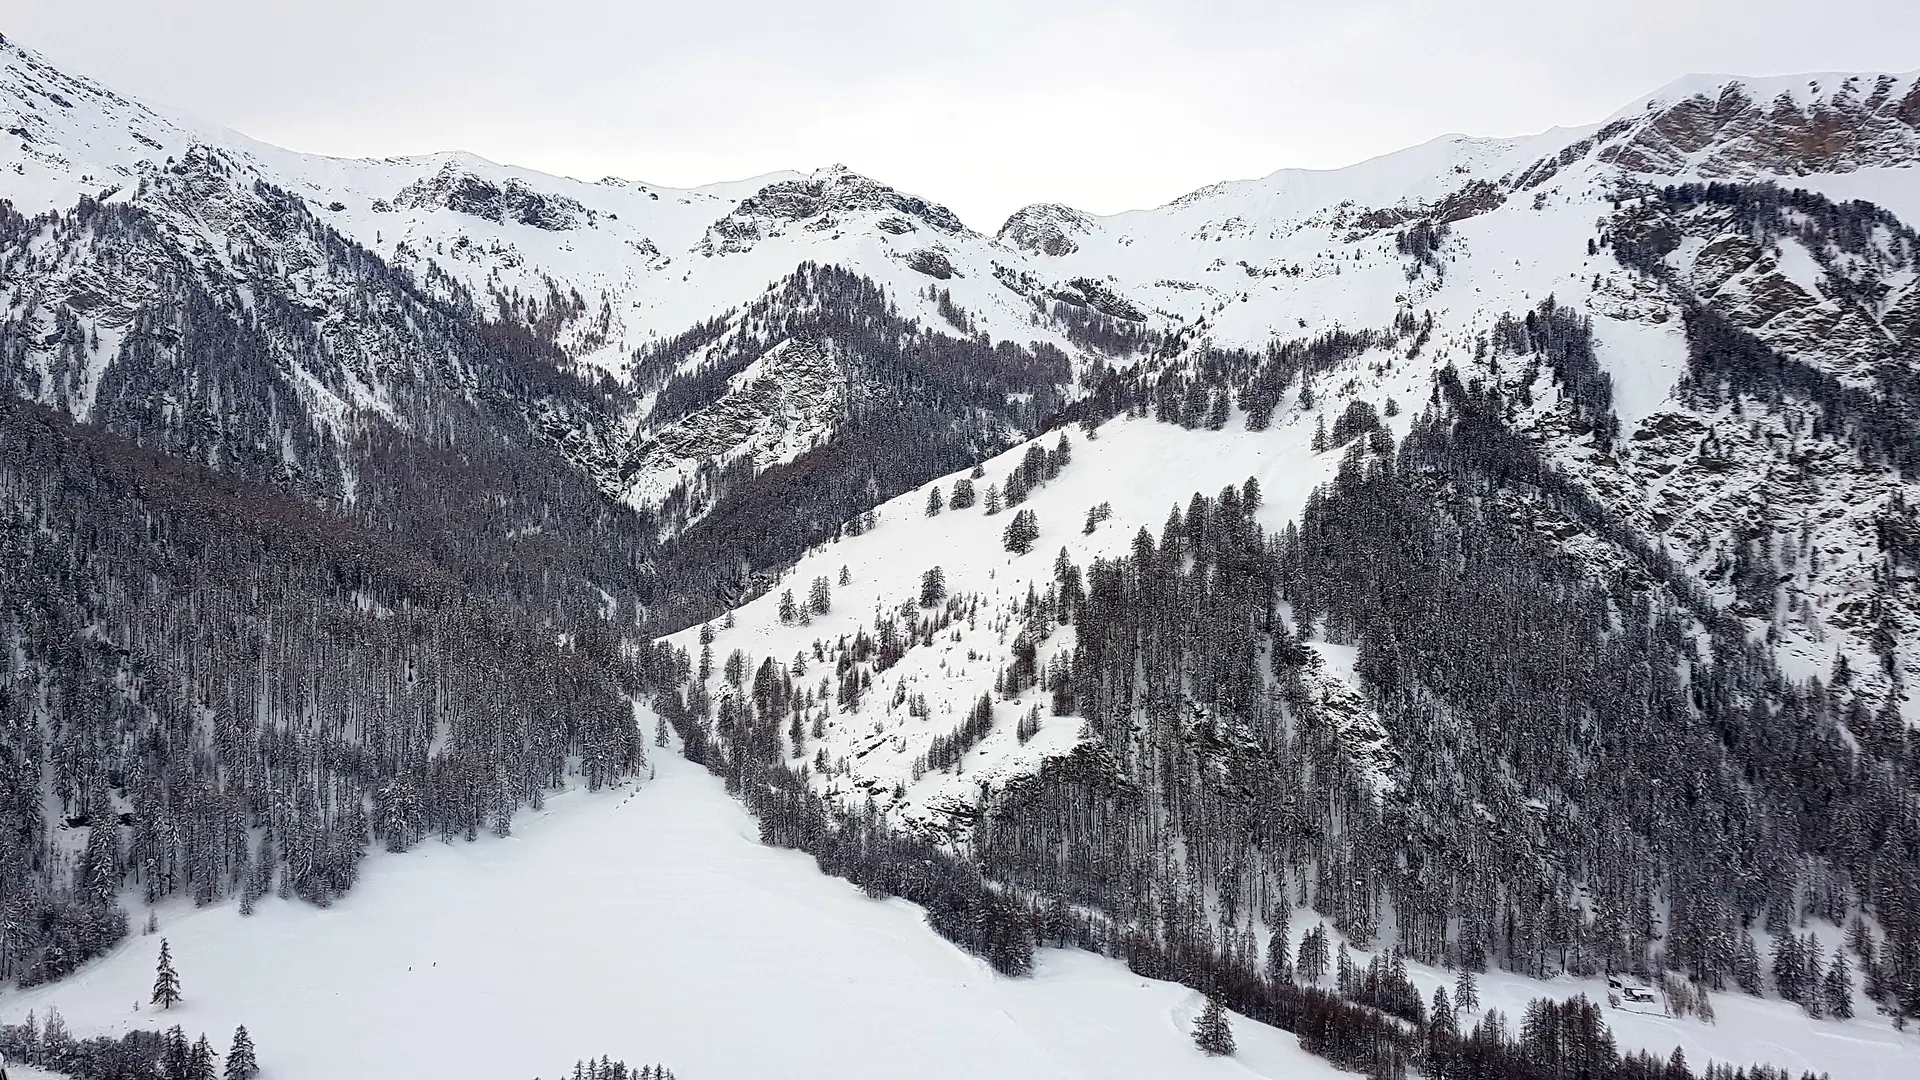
[1746, 1030]
[1140, 468]
[647, 924]
[651, 924]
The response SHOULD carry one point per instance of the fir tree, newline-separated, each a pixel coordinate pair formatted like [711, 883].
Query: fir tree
[962, 494]
[166, 981]
[934, 503]
[1212, 1032]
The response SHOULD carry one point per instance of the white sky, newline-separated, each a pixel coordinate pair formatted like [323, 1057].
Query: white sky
[983, 106]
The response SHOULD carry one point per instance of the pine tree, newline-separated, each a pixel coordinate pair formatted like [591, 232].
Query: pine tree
[1787, 967]
[1021, 532]
[176, 1054]
[1812, 966]
[934, 503]
[1837, 987]
[993, 499]
[1313, 955]
[1466, 992]
[1746, 964]
[166, 981]
[788, 609]
[1442, 1013]
[962, 494]
[933, 587]
[240, 1060]
[200, 1061]
[1016, 487]
[1279, 945]
[1212, 1032]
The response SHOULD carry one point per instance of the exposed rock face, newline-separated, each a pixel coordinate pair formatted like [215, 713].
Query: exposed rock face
[930, 262]
[511, 200]
[1859, 123]
[1044, 229]
[781, 406]
[824, 202]
[1098, 295]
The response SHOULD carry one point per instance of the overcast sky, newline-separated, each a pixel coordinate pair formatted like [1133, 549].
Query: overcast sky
[983, 106]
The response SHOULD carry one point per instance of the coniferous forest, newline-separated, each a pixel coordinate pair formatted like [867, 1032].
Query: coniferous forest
[320, 539]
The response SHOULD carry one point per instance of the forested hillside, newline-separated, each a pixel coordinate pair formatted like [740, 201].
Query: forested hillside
[1498, 559]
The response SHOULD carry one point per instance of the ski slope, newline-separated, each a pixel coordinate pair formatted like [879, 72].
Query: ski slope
[647, 924]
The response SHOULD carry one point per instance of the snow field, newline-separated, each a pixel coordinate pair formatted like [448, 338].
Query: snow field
[648, 924]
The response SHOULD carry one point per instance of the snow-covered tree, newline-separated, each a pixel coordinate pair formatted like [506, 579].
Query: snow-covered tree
[1212, 1032]
[1021, 532]
[933, 587]
[240, 1056]
[166, 981]
[1466, 991]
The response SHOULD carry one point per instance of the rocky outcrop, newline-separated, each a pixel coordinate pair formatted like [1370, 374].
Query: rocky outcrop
[823, 202]
[1860, 122]
[1045, 229]
[466, 192]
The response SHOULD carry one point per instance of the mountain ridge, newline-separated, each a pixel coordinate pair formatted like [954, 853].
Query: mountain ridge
[1307, 543]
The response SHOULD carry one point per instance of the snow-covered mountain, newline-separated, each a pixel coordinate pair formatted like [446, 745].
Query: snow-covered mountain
[1664, 367]
[1511, 223]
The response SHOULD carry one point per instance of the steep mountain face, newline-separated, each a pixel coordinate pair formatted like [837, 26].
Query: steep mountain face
[1546, 504]
[1821, 124]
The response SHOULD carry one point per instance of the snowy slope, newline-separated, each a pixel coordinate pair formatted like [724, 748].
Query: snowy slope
[611, 266]
[1139, 468]
[647, 925]
[653, 925]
